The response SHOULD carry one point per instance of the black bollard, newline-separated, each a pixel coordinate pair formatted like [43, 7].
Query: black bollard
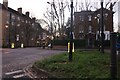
[113, 65]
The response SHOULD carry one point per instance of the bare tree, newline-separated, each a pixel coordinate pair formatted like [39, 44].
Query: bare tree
[56, 16]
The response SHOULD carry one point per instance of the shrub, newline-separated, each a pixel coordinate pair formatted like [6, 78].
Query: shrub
[77, 42]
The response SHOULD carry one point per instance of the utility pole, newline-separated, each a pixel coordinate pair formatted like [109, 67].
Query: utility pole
[111, 9]
[51, 23]
[113, 66]
[71, 35]
[102, 28]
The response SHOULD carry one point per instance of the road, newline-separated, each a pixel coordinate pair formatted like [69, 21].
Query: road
[15, 60]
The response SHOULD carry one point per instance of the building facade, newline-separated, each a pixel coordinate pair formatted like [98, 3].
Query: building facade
[87, 25]
[18, 28]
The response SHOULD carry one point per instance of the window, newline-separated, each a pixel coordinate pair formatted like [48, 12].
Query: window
[23, 21]
[18, 18]
[13, 23]
[105, 16]
[18, 25]
[90, 29]
[17, 39]
[33, 24]
[89, 18]
[7, 22]
[81, 18]
[98, 15]
[81, 29]
[26, 21]
[13, 17]
[104, 27]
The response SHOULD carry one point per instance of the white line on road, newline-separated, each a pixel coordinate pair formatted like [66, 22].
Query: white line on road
[6, 52]
[9, 73]
[18, 76]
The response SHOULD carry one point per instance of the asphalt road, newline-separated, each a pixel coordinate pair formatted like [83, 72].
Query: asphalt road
[15, 60]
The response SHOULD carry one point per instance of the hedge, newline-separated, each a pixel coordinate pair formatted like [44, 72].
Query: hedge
[77, 42]
[106, 43]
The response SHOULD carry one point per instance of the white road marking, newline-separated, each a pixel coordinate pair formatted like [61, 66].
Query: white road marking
[9, 73]
[18, 76]
[6, 52]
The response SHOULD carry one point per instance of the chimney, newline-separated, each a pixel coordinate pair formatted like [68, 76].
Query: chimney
[5, 3]
[27, 14]
[34, 19]
[20, 10]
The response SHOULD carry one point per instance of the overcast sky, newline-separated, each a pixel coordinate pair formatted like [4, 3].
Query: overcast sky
[38, 7]
[35, 7]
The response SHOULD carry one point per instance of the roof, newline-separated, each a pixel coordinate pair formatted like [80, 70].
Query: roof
[13, 11]
[2, 6]
[104, 9]
[85, 12]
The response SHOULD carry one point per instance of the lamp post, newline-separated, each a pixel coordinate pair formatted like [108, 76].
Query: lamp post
[51, 23]
[98, 22]
[102, 29]
[71, 35]
[51, 15]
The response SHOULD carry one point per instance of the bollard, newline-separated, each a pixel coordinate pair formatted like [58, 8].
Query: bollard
[22, 45]
[113, 65]
[12, 45]
[73, 49]
[68, 47]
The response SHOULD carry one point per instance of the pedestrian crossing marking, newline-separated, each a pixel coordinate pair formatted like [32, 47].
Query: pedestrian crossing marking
[9, 73]
[18, 76]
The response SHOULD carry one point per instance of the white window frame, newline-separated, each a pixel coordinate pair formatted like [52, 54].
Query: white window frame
[81, 29]
[90, 29]
[89, 18]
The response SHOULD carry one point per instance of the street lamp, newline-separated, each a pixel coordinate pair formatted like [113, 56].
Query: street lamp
[51, 22]
[102, 29]
[71, 35]
[6, 26]
[51, 15]
[98, 22]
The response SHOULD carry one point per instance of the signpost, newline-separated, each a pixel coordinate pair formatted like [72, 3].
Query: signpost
[71, 34]
[113, 65]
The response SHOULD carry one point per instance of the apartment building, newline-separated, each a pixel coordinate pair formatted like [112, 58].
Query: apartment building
[18, 28]
[87, 25]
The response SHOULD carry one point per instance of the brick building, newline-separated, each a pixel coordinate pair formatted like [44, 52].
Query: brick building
[18, 28]
[87, 25]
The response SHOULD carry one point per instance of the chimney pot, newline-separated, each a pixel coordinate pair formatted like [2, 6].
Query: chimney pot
[27, 14]
[5, 3]
[20, 10]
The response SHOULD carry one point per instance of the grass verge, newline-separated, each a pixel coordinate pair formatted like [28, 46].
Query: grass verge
[85, 64]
